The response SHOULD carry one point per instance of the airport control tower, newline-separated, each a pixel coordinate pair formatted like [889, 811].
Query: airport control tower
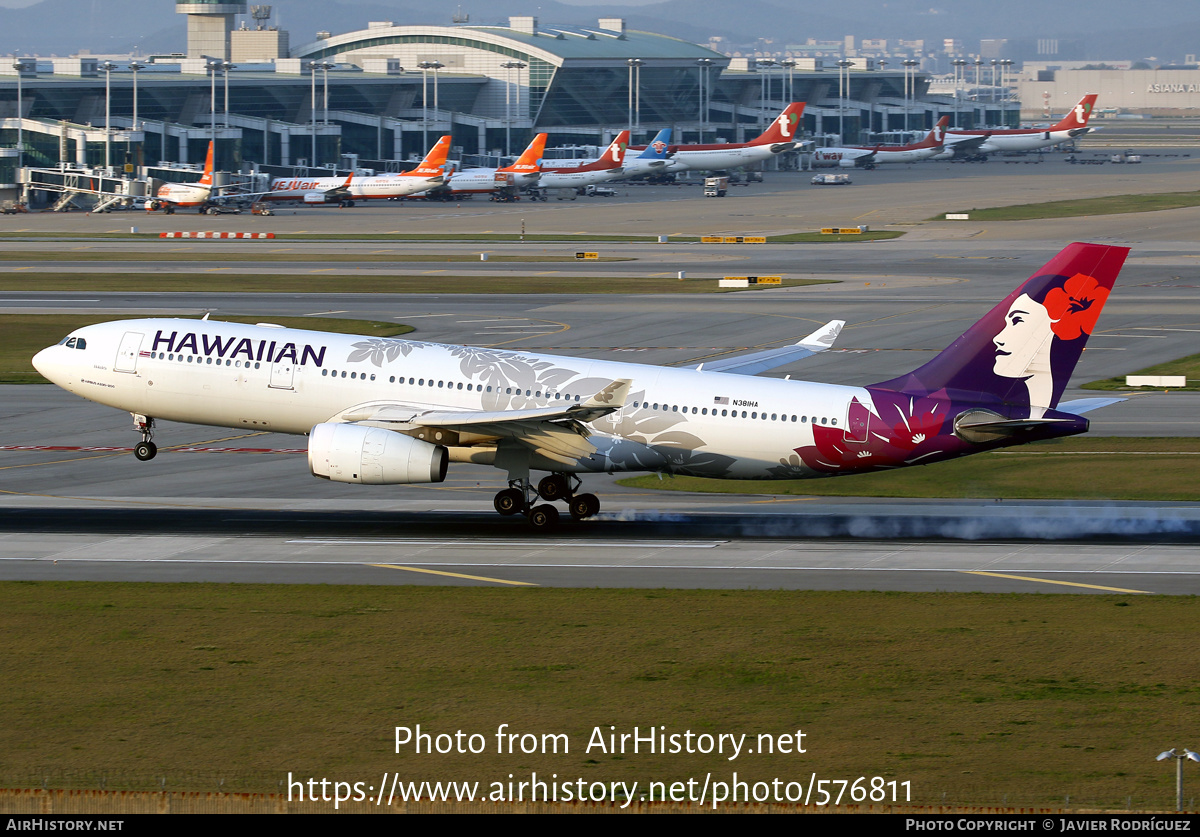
[209, 25]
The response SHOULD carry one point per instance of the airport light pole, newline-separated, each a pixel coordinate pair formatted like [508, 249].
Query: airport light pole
[325, 67]
[764, 66]
[789, 65]
[134, 66]
[226, 66]
[212, 66]
[108, 67]
[1005, 63]
[20, 67]
[510, 66]
[426, 66]
[959, 73]
[312, 70]
[635, 96]
[703, 65]
[843, 83]
[974, 108]
[909, 69]
[1179, 758]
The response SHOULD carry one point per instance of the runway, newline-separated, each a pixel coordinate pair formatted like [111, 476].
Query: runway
[100, 515]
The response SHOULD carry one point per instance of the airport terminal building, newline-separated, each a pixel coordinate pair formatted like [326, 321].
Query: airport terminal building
[383, 94]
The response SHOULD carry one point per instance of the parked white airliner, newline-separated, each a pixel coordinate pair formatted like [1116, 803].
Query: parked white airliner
[391, 411]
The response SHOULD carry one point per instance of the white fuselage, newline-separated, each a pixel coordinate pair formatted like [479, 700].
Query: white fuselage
[183, 194]
[360, 188]
[848, 157]
[718, 157]
[1014, 140]
[288, 381]
[552, 179]
[489, 180]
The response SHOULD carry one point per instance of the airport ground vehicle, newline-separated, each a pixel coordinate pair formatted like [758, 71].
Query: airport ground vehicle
[599, 192]
[831, 180]
[716, 187]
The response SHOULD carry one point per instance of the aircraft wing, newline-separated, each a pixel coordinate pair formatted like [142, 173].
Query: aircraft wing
[971, 143]
[556, 432]
[756, 362]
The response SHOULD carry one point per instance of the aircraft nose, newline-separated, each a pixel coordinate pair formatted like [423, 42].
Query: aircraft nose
[44, 363]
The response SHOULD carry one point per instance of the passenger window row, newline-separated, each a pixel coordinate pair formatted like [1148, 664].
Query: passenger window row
[704, 411]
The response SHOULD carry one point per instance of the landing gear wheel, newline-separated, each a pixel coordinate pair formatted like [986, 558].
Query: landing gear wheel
[553, 487]
[543, 518]
[509, 501]
[584, 506]
[145, 451]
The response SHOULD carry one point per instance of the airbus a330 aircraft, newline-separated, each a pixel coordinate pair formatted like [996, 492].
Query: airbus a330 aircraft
[781, 136]
[607, 168]
[861, 157]
[1071, 126]
[390, 411]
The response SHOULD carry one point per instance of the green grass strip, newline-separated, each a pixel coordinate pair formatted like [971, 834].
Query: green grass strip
[1068, 469]
[1016, 700]
[1188, 366]
[1111, 205]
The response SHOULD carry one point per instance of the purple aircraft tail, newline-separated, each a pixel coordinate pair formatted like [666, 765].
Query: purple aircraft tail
[1023, 351]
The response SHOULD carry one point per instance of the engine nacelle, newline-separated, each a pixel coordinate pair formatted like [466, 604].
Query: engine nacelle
[846, 164]
[373, 456]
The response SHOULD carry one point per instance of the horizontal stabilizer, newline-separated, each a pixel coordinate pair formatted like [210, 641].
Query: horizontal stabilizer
[1086, 405]
[756, 362]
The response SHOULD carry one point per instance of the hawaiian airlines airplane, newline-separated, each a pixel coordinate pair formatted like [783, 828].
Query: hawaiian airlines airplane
[428, 174]
[608, 167]
[508, 180]
[388, 411]
[781, 136]
[172, 196]
[867, 158]
[1074, 124]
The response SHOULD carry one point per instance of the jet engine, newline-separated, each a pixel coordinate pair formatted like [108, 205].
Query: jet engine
[373, 456]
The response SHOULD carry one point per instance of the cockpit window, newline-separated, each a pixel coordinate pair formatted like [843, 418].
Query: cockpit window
[74, 343]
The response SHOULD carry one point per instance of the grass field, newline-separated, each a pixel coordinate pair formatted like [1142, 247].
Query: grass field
[1132, 468]
[1187, 366]
[1111, 205]
[984, 699]
[24, 335]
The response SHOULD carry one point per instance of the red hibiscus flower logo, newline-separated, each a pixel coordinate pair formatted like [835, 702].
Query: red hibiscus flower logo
[1075, 306]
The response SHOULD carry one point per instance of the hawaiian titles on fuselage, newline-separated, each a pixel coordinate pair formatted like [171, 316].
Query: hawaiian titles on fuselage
[269, 350]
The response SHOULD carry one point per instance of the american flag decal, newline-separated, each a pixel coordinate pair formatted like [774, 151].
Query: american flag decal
[720, 400]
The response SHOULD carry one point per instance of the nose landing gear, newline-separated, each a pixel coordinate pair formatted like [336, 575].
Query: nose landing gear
[520, 496]
[144, 450]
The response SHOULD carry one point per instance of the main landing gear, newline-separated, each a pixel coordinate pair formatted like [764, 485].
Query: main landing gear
[144, 450]
[520, 497]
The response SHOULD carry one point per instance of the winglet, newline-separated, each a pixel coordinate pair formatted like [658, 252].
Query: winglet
[822, 339]
[612, 396]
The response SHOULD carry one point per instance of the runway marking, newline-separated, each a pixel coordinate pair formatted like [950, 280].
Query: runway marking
[1064, 583]
[477, 542]
[457, 575]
